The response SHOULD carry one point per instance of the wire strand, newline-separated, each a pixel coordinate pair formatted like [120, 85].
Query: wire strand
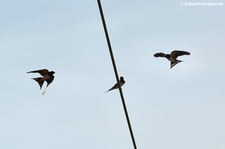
[116, 73]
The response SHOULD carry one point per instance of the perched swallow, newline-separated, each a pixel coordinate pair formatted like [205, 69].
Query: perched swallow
[47, 76]
[172, 57]
[116, 86]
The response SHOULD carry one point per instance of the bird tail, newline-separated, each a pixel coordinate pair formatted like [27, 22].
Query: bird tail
[45, 90]
[172, 64]
[108, 90]
[40, 81]
[114, 87]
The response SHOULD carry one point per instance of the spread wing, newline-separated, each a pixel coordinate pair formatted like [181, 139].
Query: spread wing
[177, 53]
[40, 81]
[41, 71]
[160, 54]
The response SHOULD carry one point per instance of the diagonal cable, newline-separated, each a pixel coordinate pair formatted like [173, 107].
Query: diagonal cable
[116, 73]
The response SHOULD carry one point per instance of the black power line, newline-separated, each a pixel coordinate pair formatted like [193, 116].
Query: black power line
[116, 73]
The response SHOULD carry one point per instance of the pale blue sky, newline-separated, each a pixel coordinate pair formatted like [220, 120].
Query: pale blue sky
[179, 108]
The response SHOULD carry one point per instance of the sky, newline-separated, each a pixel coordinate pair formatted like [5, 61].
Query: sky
[176, 108]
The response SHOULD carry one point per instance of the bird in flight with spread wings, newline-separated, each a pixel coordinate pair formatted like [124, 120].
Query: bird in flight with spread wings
[172, 57]
[116, 86]
[47, 76]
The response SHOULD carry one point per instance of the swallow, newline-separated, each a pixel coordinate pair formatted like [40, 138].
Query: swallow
[172, 57]
[116, 86]
[47, 76]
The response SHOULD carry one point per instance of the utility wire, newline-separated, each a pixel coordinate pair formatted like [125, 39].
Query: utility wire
[116, 73]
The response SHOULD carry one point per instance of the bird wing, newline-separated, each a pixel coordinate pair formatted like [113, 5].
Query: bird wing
[177, 53]
[40, 81]
[160, 54]
[41, 71]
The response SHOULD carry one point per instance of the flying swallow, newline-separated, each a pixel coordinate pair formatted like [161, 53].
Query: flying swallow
[172, 57]
[116, 86]
[47, 76]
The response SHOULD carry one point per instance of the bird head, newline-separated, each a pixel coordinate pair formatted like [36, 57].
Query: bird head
[122, 79]
[51, 72]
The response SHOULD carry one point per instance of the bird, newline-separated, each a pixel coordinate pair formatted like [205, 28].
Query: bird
[172, 57]
[116, 86]
[47, 76]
